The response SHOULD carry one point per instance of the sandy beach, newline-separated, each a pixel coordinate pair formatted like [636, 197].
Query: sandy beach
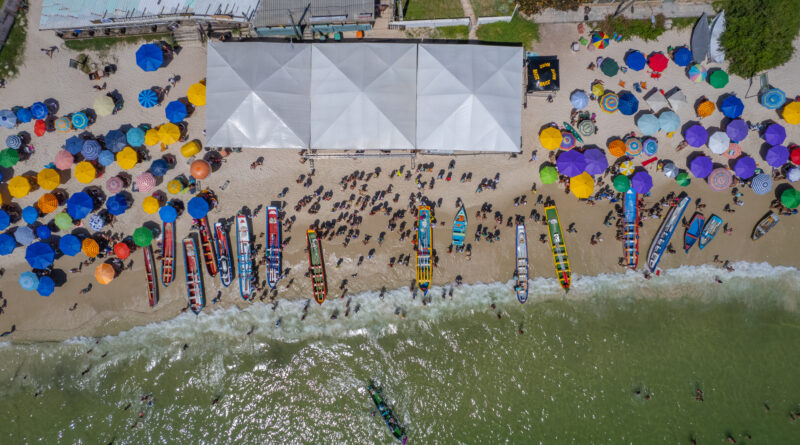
[122, 304]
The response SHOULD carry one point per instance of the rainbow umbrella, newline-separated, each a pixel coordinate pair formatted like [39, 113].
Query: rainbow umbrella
[697, 73]
[600, 40]
[567, 140]
[79, 120]
[62, 124]
[633, 146]
[773, 99]
[609, 102]
[720, 179]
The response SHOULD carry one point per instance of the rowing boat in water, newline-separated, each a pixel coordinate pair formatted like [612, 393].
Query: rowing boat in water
[763, 226]
[558, 247]
[168, 254]
[194, 277]
[207, 244]
[224, 250]
[661, 241]
[245, 261]
[630, 231]
[316, 267]
[424, 270]
[694, 231]
[386, 413]
[152, 280]
[522, 264]
[460, 227]
[709, 231]
[273, 247]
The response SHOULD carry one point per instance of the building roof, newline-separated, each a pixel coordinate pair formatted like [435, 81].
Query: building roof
[282, 12]
[64, 14]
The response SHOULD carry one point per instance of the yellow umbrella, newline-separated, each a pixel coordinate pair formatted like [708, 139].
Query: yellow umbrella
[190, 149]
[48, 179]
[90, 247]
[582, 185]
[151, 137]
[550, 138]
[47, 203]
[169, 133]
[598, 89]
[127, 158]
[150, 205]
[197, 94]
[85, 172]
[705, 109]
[626, 168]
[103, 105]
[104, 273]
[791, 113]
[19, 186]
[175, 187]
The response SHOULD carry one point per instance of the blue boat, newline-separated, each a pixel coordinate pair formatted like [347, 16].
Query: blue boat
[709, 231]
[665, 232]
[630, 231]
[694, 230]
[194, 277]
[460, 227]
[424, 270]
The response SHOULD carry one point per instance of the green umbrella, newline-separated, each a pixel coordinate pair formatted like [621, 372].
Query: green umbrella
[609, 67]
[63, 221]
[683, 179]
[142, 236]
[9, 157]
[718, 79]
[548, 175]
[622, 183]
[790, 198]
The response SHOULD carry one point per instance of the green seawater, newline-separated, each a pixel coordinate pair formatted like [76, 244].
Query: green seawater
[580, 373]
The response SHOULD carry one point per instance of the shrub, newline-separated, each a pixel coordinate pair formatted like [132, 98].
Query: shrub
[536, 6]
[628, 28]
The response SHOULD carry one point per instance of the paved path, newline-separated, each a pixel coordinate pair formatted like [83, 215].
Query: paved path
[641, 11]
[473, 19]
[7, 14]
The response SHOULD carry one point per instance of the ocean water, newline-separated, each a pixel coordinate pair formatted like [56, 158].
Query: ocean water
[618, 360]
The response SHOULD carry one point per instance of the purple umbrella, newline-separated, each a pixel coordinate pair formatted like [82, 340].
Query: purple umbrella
[696, 135]
[596, 162]
[745, 167]
[642, 182]
[571, 163]
[736, 130]
[775, 134]
[701, 166]
[777, 156]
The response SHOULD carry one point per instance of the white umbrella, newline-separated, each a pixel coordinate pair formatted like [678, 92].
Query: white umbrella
[794, 175]
[718, 142]
[655, 100]
[670, 170]
[676, 99]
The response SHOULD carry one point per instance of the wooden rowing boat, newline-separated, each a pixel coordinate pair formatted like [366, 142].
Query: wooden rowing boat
[521, 288]
[274, 247]
[207, 244]
[424, 270]
[316, 267]
[460, 227]
[661, 241]
[764, 226]
[245, 260]
[152, 280]
[709, 231]
[194, 276]
[693, 231]
[168, 254]
[558, 247]
[630, 230]
[224, 250]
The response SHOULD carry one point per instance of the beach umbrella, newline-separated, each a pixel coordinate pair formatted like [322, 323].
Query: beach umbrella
[736, 130]
[103, 105]
[657, 62]
[63, 221]
[669, 121]
[169, 133]
[197, 94]
[550, 138]
[39, 255]
[761, 184]
[145, 182]
[24, 235]
[176, 111]
[39, 128]
[796, 155]
[793, 175]
[91, 149]
[148, 98]
[9, 157]
[773, 99]
[719, 142]
[642, 182]
[85, 172]
[745, 167]
[650, 146]
[198, 207]
[190, 149]
[609, 102]
[7, 244]
[46, 286]
[79, 120]
[43, 232]
[8, 119]
[79, 205]
[571, 163]
[696, 135]
[701, 166]
[596, 162]
[683, 179]
[62, 124]
[115, 140]
[732, 107]
[733, 151]
[677, 100]
[151, 137]
[775, 134]
[548, 175]
[598, 89]
[39, 110]
[790, 198]
[149, 57]
[626, 168]
[635, 60]
[30, 214]
[682, 56]
[648, 124]
[175, 187]
[670, 170]
[777, 156]
[791, 113]
[621, 183]
[127, 158]
[600, 40]
[114, 184]
[13, 141]
[579, 99]
[159, 167]
[616, 148]
[609, 67]
[96, 222]
[656, 101]
[135, 137]
[104, 273]
[697, 73]
[24, 115]
[90, 248]
[705, 109]
[5, 219]
[47, 203]
[64, 160]
[168, 213]
[633, 146]
[19, 186]
[628, 104]
[105, 158]
[582, 185]
[69, 245]
[150, 205]
[48, 179]
[142, 237]
[567, 142]
[720, 179]
[718, 78]
[586, 127]
[74, 145]
[28, 281]
[122, 251]
[117, 204]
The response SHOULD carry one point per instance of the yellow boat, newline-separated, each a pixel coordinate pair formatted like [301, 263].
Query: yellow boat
[558, 246]
[424, 270]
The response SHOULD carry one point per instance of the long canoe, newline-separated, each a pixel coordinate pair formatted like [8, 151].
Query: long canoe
[316, 267]
[460, 227]
[521, 251]
[245, 261]
[764, 226]
[661, 241]
[424, 270]
[207, 244]
[274, 247]
[558, 247]
[630, 231]
[168, 254]
[694, 231]
[224, 251]
[150, 272]
[194, 276]
[709, 231]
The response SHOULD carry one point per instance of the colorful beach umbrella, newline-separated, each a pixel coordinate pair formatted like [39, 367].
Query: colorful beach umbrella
[43, 232]
[47, 203]
[628, 104]
[150, 205]
[135, 137]
[8, 119]
[198, 207]
[85, 172]
[609, 67]
[159, 167]
[64, 160]
[151, 137]
[74, 145]
[122, 250]
[19, 186]
[103, 105]
[609, 102]
[39, 255]
[39, 128]
[30, 214]
[197, 94]
[669, 121]
[169, 133]
[149, 57]
[720, 179]
[571, 163]
[732, 107]
[48, 179]
[761, 184]
[696, 136]
[96, 222]
[733, 151]
[701, 166]
[91, 149]
[697, 73]
[736, 130]
[790, 198]
[683, 179]
[650, 146]
[62, 124]
[777, 156]
[682, 56]
[548, 175]
[114, 184]
[596, 162]
[79, 120]
[648, 124]
[633, 146]
[642, 182]
[9, 157]
[745, 167]
[127, 158]
[190, 149]
[142, 237]
[69, 245]
[28, 280]
[600, 40]
[550, 138]
[670, 170]
[90, 248]
[579, 99]
[24, 235]
[104, 273]
[582, 186]
[775, 134]
[168, 214]
[115, 141]
[105, 158]
[117, 204]
[719, 142]
[5, 219]
[148, 98]
[705, 108]
[718, 78]
[46, 286]
[657, 62]
[622, 183]
[791, 113]
[176, 111]
[79, 205]
[24, 115]
[567, 142]
[145, 182]
[7, 244]
[626, 168]
[586, 127]
[598, 89]
[39, 110]
[63, 221]
[616, 148]
[773, 99]
[796, 155]
[635, 60]
[13, 141]
[175, 187]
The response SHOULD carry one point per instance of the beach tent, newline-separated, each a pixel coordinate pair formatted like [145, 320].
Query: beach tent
[582, 185]
[579, 99]
[745, 167]
[609, 67]
[737, 130]
[628, 103]
[176, 111]
[775, 134]
[149, 57]
[716, 53]
[701, 37]
[655, 100]
[696, 135]
[669, 121]
[701, 166]
[648, 124]
[571, 163]
[682, 56]
[718, 142]
[732, 107]
[791, 113]
[635, 60]
[543, 73]
[761, 184]
[69, 245]
[676, 99]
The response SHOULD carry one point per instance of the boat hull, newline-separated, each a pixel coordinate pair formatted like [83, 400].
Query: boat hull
[243, 256]
[423, 253]
[194, 275]
[316, 267]
[765, 225]
[274, 247]
[207, 245]
[709, 231]
[150, 273]
[521, 288]
[460, 228]
[558, 248]
[168, 254]
[224, 251]
[694, 231]
[664, 234]
[630, 232]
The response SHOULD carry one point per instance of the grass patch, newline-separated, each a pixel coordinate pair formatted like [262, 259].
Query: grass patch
[451, 32]
[681, 23]
[432, 9]
[12, 56]
[102, 44]
[629, 28]
[518, 30]
[492, 8]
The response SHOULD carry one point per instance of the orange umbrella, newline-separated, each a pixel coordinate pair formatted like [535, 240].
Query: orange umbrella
[104, 273]
[85, 172]
[200, 169]
[90, 247]
[169, 133]
[616, 148]
[48, 203]
[705, 108]
[48, 179]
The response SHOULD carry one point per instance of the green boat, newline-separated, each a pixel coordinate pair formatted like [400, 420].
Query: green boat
[558, 246]
[386, 413]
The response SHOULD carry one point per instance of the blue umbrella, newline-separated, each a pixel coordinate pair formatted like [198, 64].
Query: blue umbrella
[7, 244]
[635, 60]
[701, 166]
[648, 124]
[69, 245]
[761, 184]
[570, 163]
[96, 222]
[106, 158]
[148, 98]
[7, 118]
[682, 56]
[39, 110]
[198, 207]
[39, 255]
[168, 214]
[775, 134]
[24, 235]
[46, 286]
[24, 115]
[745, 167]
[13, 141]
[149, 57]
[30, 214]
[732, 107]
[596, 162]
[28, 281]
[159, 167]
[117, 204]
[79, 120]
[669, 121]
[43, 232]
[115, 141]
[642, 182]
[628, 104]
[176, 111]
[579, 99]
[135, 137]
[74, 145]
[5, 220]
[773, 99]
[696, 136]
[91, 149]
[736, 130]
[79, 205]
[777, 156]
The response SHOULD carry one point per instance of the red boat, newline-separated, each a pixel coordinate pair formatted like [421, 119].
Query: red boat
[194, 279]
[207, 245]
[150, 270]
[168, 257]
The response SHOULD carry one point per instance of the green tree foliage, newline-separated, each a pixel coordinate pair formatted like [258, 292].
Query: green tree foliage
[628, 28]
[759, 34]
[535, 6]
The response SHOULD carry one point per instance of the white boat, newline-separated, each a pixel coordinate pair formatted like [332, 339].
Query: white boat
[664, 234]
[522, 264]
[245, 261]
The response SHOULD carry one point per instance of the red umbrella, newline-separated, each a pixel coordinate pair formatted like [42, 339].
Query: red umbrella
[658, 62]
[39, 127]
[122, 251]
[145, 182]
[795, 156]
[64, 160]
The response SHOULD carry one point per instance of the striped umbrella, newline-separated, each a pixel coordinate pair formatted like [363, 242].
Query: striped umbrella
[733, 151]
[567, 141]
[609, 102]
[114, 184]
[697, 73]
[650, 146]
[148, 98]
[13, 141]
[62, 124]
[96, 222]
[626, 168]
[586, 127]
[670, 170]
[91, 149]
[64, 160]
[761, 184]
[145, 182]
[773, 99]
[90, 247]
[633, 146]
[720, 179]
[79, 120]
[600, 40]
[47, 203]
